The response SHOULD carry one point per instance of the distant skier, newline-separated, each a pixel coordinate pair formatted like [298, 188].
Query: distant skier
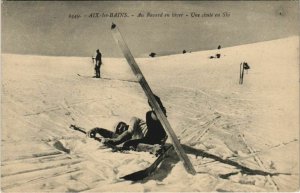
[98, 63]
[136, 132]
[243, 66]
[152, 54]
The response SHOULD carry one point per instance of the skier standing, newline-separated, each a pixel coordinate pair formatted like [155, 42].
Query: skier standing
[98, 63]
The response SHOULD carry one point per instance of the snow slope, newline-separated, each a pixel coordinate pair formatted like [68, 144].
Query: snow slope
[222, 122]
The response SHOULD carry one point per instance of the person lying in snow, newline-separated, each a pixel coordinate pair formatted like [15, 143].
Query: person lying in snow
[136, 132]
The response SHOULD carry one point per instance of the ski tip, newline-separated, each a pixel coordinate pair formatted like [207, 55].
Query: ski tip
[113, 26]
[136, 176]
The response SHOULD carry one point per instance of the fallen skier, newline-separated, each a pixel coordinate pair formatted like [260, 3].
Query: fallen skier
[134, 134]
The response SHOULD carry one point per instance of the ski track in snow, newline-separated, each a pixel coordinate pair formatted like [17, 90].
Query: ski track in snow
[207, 108]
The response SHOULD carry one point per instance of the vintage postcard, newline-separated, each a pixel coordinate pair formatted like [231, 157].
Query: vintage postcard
[149, 96]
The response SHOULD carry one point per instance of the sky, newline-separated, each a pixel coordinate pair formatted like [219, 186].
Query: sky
[49, 28]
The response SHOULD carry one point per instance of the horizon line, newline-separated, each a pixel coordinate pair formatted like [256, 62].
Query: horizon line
[157, 56]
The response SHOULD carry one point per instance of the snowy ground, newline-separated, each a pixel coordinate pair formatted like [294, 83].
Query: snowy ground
[207, 108]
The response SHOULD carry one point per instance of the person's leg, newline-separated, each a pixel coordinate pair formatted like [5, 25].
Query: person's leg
[132, 144]
[99, 71]
[95, 70]
[142, 145]
[133, 124]
[138, 128]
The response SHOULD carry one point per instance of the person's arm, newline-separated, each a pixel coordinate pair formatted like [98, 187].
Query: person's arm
[102, 132]
[92, 133]
[126, 135]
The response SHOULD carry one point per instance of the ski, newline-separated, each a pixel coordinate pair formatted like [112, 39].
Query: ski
[138, 73]
[140, 175]
[104, 78]
[84, 76]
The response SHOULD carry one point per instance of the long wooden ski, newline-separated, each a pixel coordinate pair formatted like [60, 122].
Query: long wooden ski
[138, 73]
